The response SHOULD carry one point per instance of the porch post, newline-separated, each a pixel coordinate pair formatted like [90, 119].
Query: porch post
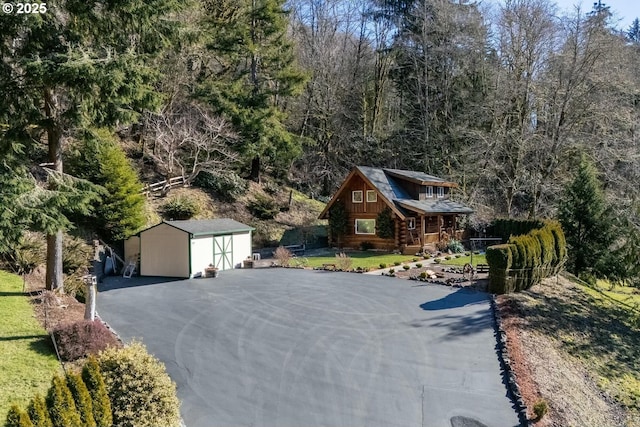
[422, 230]
[440, 226]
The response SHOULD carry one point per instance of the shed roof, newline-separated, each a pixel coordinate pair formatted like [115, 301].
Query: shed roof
[199, 227]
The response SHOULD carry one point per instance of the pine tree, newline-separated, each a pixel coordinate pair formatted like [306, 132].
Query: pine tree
[255, 74]
[62, 409]
[81, 398]
[94, 381]
[38, 413]
[76, 66]
[585, 221]
[100, 159]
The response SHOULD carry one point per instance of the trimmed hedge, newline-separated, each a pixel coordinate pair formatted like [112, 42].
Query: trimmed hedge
[38, 413]
[139, 388]
[526, 258]
[80, 339]
[61, 406]
[100, 402]
[82, 399]
[17, 417]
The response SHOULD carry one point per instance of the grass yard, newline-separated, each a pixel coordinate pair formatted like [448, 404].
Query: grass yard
[477, 259]
[371, 260]
[27, 362]
[597, 328]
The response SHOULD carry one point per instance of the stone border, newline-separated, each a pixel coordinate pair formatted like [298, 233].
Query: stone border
[505, 363]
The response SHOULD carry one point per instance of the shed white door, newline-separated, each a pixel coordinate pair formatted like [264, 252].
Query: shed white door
[201, 254]
[223, 252]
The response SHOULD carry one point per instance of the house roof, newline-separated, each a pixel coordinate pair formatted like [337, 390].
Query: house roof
[434, 206]
[387, 183]
[199, 227]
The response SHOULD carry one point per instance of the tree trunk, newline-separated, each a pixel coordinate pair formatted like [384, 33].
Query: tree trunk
[254, 175]
[54, 279]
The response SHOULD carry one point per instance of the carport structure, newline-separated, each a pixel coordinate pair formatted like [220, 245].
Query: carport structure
[186, 248]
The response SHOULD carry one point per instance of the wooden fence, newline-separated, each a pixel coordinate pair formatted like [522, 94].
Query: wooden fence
[165, 185]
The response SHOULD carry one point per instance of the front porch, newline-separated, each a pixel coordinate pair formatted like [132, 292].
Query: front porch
[424, 230]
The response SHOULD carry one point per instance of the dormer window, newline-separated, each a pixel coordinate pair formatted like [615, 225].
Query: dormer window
[429, 191]
[372, 196]
[440, 192]
[356, 196]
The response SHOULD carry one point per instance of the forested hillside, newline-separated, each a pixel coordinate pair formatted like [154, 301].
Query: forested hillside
[510, 100]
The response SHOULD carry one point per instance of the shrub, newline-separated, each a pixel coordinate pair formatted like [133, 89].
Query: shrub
[476, 252]
[437, 260]
[455, 246]
[180, 208]
[76, 254]
[423, 275]
[406, 267]
[38, 413]
[383, 265]
[397, 263]
[343, 262]
[97, 390]
[17, 417]
[338, 222]
[283, 256]
[447, 257]
[270, 187]
[418, 265]
[385, 226]
[75, 286]
[414, 259]
[263, 207]
[60, 403]
[30, 252]
[82, 338]
[81, 398]
[426, 256]
[228, 186]
[365, 246]
[392, 270]
[540, 409]
[141, 392]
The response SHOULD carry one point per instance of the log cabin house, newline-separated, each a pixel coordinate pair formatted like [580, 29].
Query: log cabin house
[421, 208]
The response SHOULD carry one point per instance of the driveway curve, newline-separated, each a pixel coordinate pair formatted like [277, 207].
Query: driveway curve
[285, 347]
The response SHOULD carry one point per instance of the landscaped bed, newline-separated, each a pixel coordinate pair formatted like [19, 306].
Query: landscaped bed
[366, 259]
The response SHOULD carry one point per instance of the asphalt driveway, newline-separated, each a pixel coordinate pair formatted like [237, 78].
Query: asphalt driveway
[285, 347]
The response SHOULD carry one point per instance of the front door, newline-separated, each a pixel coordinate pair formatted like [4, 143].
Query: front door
[223, 252]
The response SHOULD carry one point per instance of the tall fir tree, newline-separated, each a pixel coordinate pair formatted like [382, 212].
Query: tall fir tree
[254, 72]
[585, 220]
[76, 65]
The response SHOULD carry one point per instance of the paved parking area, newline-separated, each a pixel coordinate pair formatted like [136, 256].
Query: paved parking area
[285, 347]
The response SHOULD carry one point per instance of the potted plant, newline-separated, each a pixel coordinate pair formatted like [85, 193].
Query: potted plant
[211, 271]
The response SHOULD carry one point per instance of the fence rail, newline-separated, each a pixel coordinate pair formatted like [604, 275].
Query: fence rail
[165, 184]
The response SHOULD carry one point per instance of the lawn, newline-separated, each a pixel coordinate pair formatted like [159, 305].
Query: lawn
[28, 362]
[477, 259]
[371, 260]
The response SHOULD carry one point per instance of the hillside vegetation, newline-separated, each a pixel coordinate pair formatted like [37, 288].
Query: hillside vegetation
[581, 348]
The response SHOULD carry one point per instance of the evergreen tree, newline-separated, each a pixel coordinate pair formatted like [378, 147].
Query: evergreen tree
[633, 32]
[94, 381]
[100, 159]
[585, 220]
[254, 73]
[62, 409]
[37, 411]
[17, 417]
[77, 65]
[81, 398]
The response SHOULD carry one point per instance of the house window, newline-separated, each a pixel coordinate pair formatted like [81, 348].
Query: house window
[411, 223]
[372, 196]
[429, 191]
[356, 196]
[440, 192]
[365, 226]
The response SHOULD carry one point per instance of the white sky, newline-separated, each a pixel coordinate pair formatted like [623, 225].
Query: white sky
[625, 10]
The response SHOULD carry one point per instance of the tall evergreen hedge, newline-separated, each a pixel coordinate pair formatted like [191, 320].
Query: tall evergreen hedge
[100, 402]
[526, 258]
[61, 406]
[38, 413]
[17, 417]
[82, 399]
